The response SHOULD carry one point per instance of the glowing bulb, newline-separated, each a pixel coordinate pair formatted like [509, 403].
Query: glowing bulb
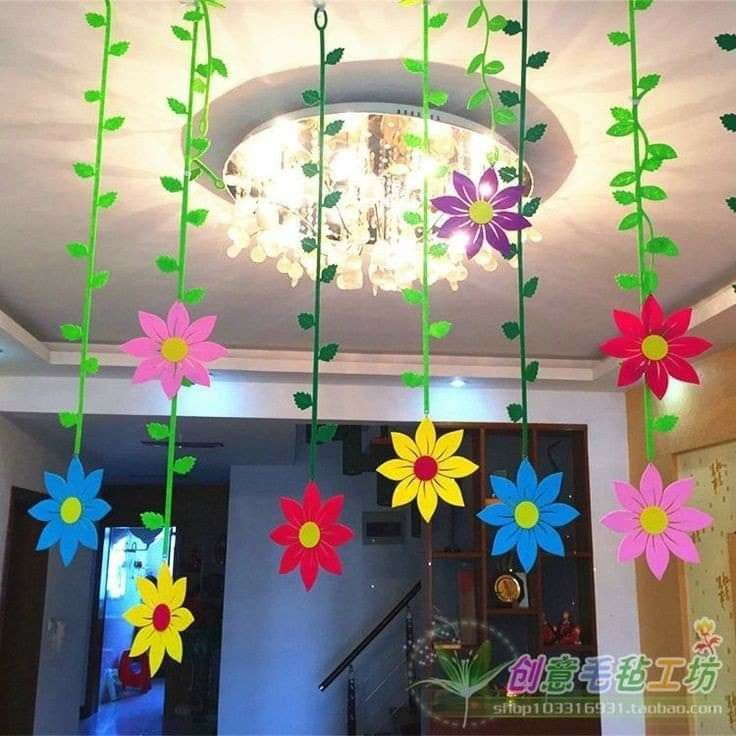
[457, 382]
[257, 254]
[234, 250]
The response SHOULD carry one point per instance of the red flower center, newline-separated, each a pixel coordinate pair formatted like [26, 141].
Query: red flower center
[425, 467]
[161, 617]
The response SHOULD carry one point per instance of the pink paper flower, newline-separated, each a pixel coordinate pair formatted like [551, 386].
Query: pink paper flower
[656, 521]
[174, 350]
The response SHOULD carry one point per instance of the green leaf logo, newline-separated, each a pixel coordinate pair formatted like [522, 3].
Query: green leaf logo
[152, 520]
[84, 171]
[71, 332]
[510, 330]
[197, 217]
[326, 432]
[331, 199]
[77, 250]
[335, 56]
[181, 33]
[95, 20]
[107, 200]
[167, 264]
[171, 184]
[328, 273]
[328, 352]
[119, 48]
[535, 132]
[305, 320]
[157, 431]
[185, 464]
[665, 423]
[193, 296]
[310, 169]
[515, 412]
[303, 400]
[538, 59]
[114, 123]
[334, 127]
[176, 106]
[412, 296]
[412, 380]
[310, 97]
[440, 330]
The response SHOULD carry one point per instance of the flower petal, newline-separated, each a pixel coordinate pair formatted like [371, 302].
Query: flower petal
[548, 489]
[292, 511]
[549, 539]
[284, 534]
[690, 519]
[427, 501]
[328, 559]
[504, 489]
[396, 469]
[680, 369]
[206, 351]
[629, 323]
[148, 592]
[75, 475]
[86, 533]
[488, 184]
[628, 496]
[681, 545]
[507, 198]
[657, 378]
[181, 619]
[526, 549]
[68, 545]
[141, 347]
[426, 437]
[178, 593]
[689, 346]
[404, 446]
[91, 485]
[511, 221]
[165, 583]
[173, 644]
[51, 534]
[677, 324]
[330, 511]
[496, 514]
[291, 558]
[657, 554]
[337, 534]
[138, 616]
[153, 326]
[621, 521]
[448, 490]
[195, 372]
[652, 315]
[498, 240]
[622, 347]
[200, 329]
[405, 492]
[473, 247]
[526, 480]
[309, 568]
[156, 653]
[149, 369]
[447, 445]
[507, 537]
[558, 514]
[450, 205]
[171, 378]
[177, 320]
[451, 226]
[56, 486]
[311, 501]
[650, 486]
[464, 187]
[45, 510]
[457, 467]
[96, 509]
[631, 370]
[142, 641]
[632, 546]
[676, 494]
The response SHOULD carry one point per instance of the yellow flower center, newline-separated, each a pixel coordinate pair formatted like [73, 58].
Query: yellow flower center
[653, 520]
[480, 212]
[309, 535]
[71, 510]
[654, 347]
[526, 514]
[174, 349]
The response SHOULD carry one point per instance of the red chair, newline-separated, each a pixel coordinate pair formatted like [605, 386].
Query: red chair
[134, 671]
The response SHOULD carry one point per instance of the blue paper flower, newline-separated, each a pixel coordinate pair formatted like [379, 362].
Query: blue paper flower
[71, 510]
[527, 515]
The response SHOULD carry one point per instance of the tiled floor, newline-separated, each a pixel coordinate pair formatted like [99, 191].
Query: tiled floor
[135, 714]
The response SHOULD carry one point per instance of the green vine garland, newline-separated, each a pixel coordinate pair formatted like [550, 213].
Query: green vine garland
[727, 42]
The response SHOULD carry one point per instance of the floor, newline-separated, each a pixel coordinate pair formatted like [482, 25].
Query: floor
[135, 714]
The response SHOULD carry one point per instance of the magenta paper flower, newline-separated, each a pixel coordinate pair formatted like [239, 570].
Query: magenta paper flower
[482, 214]
[174, 350]
[656, 521]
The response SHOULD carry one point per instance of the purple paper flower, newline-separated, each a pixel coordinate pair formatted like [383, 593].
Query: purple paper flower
[482, 213]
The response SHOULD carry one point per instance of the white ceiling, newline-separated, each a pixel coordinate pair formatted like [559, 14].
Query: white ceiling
[48, 57]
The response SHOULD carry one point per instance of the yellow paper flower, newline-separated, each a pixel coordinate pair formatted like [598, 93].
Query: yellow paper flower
[426, 468]
[160, 618]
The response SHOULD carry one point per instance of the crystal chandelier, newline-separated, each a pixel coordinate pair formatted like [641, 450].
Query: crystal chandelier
[380, 177]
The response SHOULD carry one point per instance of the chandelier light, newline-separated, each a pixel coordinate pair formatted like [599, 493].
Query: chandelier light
[380, 177]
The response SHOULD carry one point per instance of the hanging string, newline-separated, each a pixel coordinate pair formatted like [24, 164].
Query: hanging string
[425, 206]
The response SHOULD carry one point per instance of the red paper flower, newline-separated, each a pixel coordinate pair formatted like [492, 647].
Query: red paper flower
[655, 347]
[311, 534]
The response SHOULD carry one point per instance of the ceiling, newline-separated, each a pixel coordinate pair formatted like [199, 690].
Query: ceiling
[48, 57]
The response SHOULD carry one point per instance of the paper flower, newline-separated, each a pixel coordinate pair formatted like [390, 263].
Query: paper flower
[161, 618]
[527, 515]
[311, 534]
[656, 522]
[481, 214]
[71, 510]
[426, 468]
[174, 350]
[655, 347]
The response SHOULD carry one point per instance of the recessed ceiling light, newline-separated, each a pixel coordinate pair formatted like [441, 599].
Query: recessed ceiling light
[457, 382]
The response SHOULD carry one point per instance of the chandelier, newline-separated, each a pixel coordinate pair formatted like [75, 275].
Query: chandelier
[380, 178]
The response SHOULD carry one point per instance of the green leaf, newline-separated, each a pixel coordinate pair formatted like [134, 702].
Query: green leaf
[67, 419]
[107, 199]
[729, 121]
[334, 127]
[515, 412]
[627, 281]
[497, 23]
[642, 4]
[413, 296]
[665, 423]
[511, 330]
[157, 431]
[507, 173]
[310, 169]
[84, 171]
[508, 97]
[325, 433]
[662, 246]
[194, 296]
[621, 129]
[440, 330]
[328, 352]
[199, 86]
[530, 287]
[77, 250]
[194, 173]
[412, 141]
[512, 27]
[71, 332]
[119, 48]
[204, 70]
[496, 66]
[412, 380]
[535, 132]
[631, 220]
[414, 66]
[727, 41]
[167, 264]
[218, 66]
[306, 320]
[114, 123]
[91, 366]
[437, 250]
[649, 82]
[475, 15]
[92, 95]
[95, 20]
[650, 281]
[618, 38]
[438, 20]
[197, 217]
[328, 274]
[532, 370]
[186, 383]
[193, 16]
[200, 145]
[661, 150]
[99, 280]
[331, 199]
[530, 208]
[475, 63]
[477, 98]
[504, 116]
[623, 179]
[152, 520]
[181, 33]
[176, 106]
[412, 218]
[538, 59]
[624, 197]
[334, 56]
[303, 400]
[185, 464]
[654, 193]
[171, 184]
[309, 244]
[622, 114]
[651, 164]
[731, 202]
[437, 97]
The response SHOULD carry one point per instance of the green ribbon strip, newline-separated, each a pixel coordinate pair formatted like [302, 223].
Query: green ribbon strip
[425, 207]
